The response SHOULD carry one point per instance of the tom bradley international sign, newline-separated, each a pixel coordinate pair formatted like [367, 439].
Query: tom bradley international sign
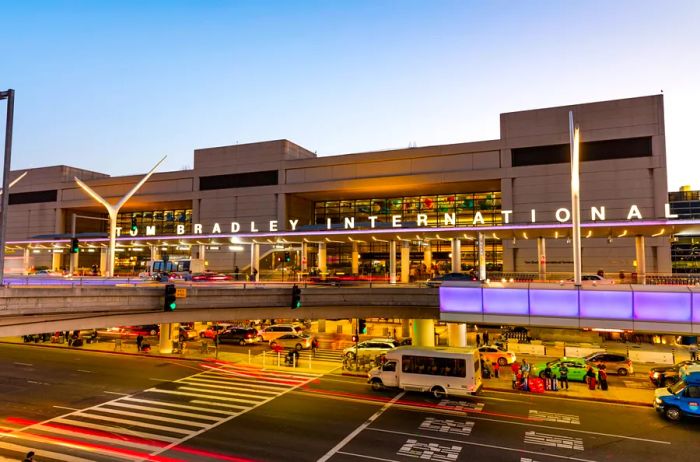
[562, 215]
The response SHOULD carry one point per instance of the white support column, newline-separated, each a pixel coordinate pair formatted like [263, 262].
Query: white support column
[639, 246]
[166, 338]
[322, 260]
[456, 255]
[73, 267]
[104, 255]
[26, 254]
[423, 332]
[541, 259]
[202, 252]
[256, 261]
[392, 262]
[56, 261]
[428, 259]
[457, 334]
[405, 262]
[155, 252]
[482, 257]
[355, 258]
[304, 258]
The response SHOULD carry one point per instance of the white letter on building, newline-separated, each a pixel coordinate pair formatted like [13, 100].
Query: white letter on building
[422, 219]
[150, 230]
[634, 212]
[180, 229]
[253, 229]
[293, 224]
[197, 228]
[667, 208]
[133, 232]
[119, 231]
[597, 213]
[396, 221]
[449, 219]
[273, 225]
[532, 216]
[235, 226]
[349, 222]
[216, 228]
[566, 215]
[506, 215]
[478, 218]
[372, 219]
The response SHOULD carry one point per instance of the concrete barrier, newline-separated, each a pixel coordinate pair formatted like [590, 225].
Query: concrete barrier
[656, 357]
[580, 352]
[537, 350]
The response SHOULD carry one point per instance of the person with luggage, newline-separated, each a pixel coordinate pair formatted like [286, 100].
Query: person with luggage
[563, 376]
[602, 378]
[478, 340]
[496, 369]
[525, 371]
[547, 373]
[590, 378]
[515, 367]
[486, 338]
[139, 342]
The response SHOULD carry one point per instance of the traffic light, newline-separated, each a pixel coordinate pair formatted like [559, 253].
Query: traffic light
[74, 245]
[296, 297]
[170, 301]
[134, 228]
[287, 257]
[362, 326]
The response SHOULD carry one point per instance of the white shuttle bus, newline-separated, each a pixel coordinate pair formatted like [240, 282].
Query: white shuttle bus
[441, 371]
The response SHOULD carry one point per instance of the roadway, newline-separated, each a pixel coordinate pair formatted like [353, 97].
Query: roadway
[76, 406]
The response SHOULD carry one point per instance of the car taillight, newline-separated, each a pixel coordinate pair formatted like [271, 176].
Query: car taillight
[628, 362]
[248, 335]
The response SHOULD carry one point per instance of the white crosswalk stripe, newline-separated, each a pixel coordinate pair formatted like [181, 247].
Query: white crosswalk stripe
[558, 441]
[555, 417]
[132, 427]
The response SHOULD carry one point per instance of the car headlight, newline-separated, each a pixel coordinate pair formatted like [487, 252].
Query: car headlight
[656, 374]
[658, 400]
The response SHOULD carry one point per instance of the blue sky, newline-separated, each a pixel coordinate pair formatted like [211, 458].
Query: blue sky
[113, 85]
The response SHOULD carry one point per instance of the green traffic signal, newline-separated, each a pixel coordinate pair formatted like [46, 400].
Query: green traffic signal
[170, 300]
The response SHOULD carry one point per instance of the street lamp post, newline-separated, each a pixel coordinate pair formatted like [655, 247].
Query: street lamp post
[575, 198]
[10, 96]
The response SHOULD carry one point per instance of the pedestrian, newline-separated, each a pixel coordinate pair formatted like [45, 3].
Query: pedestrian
[478, 340]
[254, 276]
[590, 378]
[29, 457]
[693, 352]
[235, 273]
[515, 367]
[314, 346]
[486, 338]
[525, 370]
[139, 342]
[547, 373]
[496, 369]
[603, 378]
[563, 376]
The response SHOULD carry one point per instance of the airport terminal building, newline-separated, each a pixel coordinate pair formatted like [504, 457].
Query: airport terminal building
[284, 210]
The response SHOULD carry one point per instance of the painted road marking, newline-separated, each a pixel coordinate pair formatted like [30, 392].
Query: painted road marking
[24, 364]
[137, 423]
[461, 405]
[67, 408]
[429, 451]
[160, 410]
[527, 459]
[113, 429]
[175, 405]
[447, 426]
[115, 393]
[86, 371]
[557, 441]
[555, 417]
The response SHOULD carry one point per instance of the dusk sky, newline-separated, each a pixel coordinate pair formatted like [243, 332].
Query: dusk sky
[112, 86]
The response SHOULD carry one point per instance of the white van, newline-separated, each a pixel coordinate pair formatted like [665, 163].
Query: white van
[441, 371]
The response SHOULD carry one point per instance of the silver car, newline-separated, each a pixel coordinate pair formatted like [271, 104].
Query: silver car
[293, 341]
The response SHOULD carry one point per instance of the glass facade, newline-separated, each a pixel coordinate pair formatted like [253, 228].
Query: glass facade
[685, 250]
[165, 221]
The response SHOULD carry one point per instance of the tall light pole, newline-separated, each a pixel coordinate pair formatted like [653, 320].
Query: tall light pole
[113, 211]
[10, 96]
[575, 198]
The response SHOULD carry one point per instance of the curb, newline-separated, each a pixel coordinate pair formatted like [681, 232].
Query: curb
[577, 398]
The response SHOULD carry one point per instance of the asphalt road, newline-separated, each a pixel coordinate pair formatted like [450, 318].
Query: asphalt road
[76, 406]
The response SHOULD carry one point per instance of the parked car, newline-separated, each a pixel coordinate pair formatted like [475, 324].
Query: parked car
[239, 335]
[211, 276]
[293, 341]
[577, 368]
[592, 280]
[493, 354]
[665, 376]
[437, 281]
[272, 332]
[372, 348]
[211, 331]
[614, 363]
[187, 333]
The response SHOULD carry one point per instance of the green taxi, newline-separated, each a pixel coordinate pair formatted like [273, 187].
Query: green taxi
[577, 368]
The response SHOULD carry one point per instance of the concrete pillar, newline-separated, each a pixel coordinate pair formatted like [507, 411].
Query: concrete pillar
[202, 252]
[355, 258]
[457, 334]
[405, 328]
[322, 260]
[641, 259]
[456, 255]
[255, 260]
[25, 260]
[155, 252]
[482, 257]
[73, 267]
[405, 262]
[423, 332]
[541, 259]
[392, 262]
[428, 259]
[304, 258]
[56, 259]
[104, 253]
[166, 338]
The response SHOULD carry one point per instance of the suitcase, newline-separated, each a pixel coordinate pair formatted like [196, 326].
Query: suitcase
[591, 383]
[536, 385]
[554, 384]
[77, 342]
[145, 347]
[603, 384]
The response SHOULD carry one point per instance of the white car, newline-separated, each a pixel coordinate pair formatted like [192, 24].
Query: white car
[275, 331]
[492, 354]
[593, 280]
[371, 348]
[295, 341]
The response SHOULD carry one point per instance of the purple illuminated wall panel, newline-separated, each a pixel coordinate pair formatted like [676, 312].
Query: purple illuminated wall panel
[659, 306]
[696, 308]
[460, 299]
[506, 301]
[606, 304]
[559, 303]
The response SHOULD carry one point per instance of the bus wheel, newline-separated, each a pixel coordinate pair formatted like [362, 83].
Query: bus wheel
[438, 392]
[377, 385]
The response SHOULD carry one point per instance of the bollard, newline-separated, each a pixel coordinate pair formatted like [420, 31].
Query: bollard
[279, 355]
[263, 366]
[249, 358]
[309, 362]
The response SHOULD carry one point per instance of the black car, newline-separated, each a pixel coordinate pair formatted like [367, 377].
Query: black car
[665, 376]
[239, 335]
[437, 281]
